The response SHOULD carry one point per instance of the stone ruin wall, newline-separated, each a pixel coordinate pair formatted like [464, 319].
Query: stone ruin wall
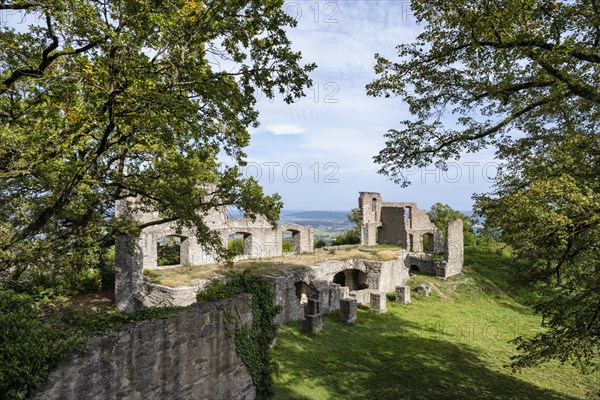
[313, 281]
[134, 254]
[399, 223]
[189, 356]
[405, 225]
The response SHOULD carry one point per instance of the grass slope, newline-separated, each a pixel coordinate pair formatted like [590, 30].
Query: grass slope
[452, 345]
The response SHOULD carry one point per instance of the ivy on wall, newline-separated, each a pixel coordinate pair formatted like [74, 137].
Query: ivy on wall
[252, 342]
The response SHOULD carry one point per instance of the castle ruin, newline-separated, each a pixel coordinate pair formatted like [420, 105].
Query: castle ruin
[405, 225]
[423, 248]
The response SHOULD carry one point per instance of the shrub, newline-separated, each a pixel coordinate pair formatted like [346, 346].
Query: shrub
[287, 247]
[350, 237]
[29, 348]
[320, 243]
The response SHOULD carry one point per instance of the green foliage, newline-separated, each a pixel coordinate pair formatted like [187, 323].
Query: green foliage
[320, 243]
[442, 214]
[108, 101]
[168, 251]
[235, 247]
[287, 247]
[28, 346]
[521, 76]
[35, 337]
[350, 237]
[67, 280]
[107, 268]
[252, 342]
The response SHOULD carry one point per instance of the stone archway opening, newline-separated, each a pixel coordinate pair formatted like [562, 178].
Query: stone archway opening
[239, 244]
[290, 241]
[170, 250]
[302, 292]
[354, 279]
[340, 278]
[428, 243]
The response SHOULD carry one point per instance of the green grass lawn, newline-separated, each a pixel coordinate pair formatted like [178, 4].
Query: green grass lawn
[452, 345]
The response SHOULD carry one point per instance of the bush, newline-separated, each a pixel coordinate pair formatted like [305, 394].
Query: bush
[350, 237]
[320, 243]
[29, 348]
[287, 247]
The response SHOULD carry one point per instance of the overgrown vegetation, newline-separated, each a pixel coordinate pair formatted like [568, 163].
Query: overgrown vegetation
[68, 280]
[252, 342]
[287, 247]
[320, 243]
[442, 214]
[37, 335]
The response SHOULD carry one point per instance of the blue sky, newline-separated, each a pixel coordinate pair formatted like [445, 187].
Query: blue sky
[337, 128]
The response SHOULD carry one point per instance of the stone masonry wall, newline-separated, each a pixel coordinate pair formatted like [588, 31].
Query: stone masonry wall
[382, 276]
[188, 356]
[454, 249]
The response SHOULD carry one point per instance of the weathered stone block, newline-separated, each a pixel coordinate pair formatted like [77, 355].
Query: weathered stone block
[403, 294]
[378, 302]
[313, 307]
[424, 290]
[312, 323]
[348, 310]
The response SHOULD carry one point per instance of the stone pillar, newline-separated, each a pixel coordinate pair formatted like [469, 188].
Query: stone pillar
[403, 294]
[454, 248]
[128, 272]
[313, 320]
[369, 205]
[348, 310]
[378, 303]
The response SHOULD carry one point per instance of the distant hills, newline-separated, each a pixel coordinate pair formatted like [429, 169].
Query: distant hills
[329, 221]
[337, 215]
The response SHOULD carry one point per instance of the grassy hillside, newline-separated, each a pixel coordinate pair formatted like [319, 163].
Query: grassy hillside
[452, 345]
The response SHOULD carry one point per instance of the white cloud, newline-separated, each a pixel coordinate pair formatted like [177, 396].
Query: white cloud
[284, 129]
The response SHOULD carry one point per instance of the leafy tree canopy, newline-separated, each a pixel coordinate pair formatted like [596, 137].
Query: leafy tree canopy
[114, 100]
[442, 214]
[522, 76]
